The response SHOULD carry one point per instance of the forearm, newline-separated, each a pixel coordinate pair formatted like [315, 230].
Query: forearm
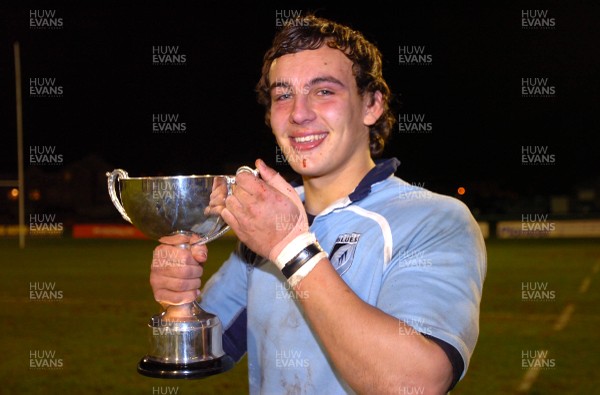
[373, 351]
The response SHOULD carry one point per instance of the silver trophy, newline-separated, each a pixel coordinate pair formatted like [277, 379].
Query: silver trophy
[186, 341]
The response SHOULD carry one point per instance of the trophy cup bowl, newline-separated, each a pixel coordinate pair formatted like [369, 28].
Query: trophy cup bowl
[186, 341]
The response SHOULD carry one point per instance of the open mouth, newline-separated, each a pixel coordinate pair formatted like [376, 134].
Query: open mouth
[308, 141]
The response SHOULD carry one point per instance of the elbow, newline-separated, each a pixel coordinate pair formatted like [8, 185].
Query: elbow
[430, 375]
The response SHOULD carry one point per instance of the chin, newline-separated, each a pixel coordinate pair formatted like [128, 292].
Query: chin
[308, 171]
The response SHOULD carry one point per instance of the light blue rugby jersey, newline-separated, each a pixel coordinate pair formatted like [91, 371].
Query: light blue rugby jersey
[416, 255]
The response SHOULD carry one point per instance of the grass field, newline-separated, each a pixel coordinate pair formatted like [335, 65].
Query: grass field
[540, 307]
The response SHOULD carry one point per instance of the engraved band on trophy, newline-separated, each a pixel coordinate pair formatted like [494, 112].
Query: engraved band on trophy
[186, 341]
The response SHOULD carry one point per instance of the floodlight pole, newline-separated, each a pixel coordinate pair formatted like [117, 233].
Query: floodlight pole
[21, 175]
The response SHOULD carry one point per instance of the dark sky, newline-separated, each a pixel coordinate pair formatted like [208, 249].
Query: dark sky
[470, 92]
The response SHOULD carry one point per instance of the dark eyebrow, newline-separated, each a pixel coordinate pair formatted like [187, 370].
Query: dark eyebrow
[278, 84]
[327, 78]
[314, 81]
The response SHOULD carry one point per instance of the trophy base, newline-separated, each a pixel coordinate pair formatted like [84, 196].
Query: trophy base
[196, 370]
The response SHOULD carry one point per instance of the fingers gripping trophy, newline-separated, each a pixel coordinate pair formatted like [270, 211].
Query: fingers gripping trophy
[186, 341]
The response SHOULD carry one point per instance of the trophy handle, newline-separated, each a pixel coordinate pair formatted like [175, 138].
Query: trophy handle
[230, 183]
[113, 178]
[246, 169]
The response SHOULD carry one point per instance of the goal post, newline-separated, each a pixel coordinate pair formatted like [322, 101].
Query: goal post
[20, 181]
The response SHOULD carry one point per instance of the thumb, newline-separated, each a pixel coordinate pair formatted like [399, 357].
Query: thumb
[274, 179]
[266, 173]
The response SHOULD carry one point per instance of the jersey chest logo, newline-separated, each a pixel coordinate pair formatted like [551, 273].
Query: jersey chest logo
[342, 254]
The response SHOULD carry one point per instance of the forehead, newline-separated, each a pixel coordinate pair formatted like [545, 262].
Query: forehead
[307, 64]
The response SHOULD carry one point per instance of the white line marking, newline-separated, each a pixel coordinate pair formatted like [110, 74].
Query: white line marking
[533, 372]
[564, 318]
[530, 376]
[585, 284]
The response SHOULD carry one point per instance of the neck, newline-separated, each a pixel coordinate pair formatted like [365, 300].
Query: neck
[319, 193]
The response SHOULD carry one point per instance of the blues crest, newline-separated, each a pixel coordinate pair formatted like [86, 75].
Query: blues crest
[342, 254]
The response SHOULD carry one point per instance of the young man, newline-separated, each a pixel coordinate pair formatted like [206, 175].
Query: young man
[368, 284]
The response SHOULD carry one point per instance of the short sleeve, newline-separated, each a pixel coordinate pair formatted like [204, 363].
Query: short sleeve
[435, 279]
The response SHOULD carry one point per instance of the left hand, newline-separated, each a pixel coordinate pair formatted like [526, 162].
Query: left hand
[265, 213]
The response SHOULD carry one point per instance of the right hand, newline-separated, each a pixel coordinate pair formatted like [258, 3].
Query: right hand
[176, 270]
[265, 213]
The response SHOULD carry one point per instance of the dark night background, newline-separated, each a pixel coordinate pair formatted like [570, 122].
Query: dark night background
[471, 93]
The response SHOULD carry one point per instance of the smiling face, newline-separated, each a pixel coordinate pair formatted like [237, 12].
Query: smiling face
[319, 120]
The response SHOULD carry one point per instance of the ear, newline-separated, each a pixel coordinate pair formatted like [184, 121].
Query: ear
[373, 108]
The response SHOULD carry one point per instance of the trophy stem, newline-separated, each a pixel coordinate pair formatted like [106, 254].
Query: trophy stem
[186, 344]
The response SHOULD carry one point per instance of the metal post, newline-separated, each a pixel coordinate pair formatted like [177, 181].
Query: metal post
[21, 175]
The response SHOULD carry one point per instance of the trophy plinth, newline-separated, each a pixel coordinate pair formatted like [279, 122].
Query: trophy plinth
[186, 344]
[186, 341]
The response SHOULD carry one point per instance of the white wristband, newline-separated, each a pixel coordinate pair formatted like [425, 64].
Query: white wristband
[306, 269]
[293, 248]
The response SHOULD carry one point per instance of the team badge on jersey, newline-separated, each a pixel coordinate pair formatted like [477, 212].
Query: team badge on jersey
[342, 254]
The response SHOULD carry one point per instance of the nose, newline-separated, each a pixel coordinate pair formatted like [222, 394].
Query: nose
[302, 110]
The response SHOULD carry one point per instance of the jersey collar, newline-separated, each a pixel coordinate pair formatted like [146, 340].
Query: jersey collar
[383, 169]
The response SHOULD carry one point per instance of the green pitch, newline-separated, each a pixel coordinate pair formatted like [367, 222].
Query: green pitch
[74, 316]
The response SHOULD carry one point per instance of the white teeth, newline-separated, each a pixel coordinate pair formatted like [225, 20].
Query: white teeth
[310, 138]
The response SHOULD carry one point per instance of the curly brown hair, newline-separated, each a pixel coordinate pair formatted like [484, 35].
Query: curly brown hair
[311, 32]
